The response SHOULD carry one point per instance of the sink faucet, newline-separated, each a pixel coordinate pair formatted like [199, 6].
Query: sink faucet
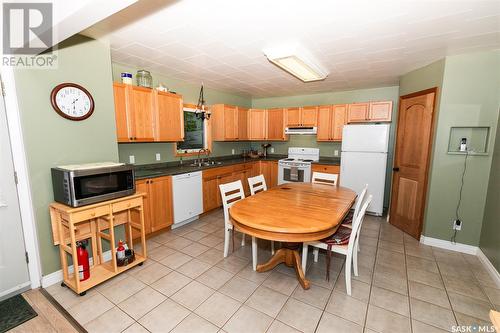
[202, 150]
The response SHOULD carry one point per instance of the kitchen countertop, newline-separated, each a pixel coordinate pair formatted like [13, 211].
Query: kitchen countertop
[175, 168]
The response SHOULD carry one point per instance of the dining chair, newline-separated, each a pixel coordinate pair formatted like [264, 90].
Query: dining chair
[258, 184]
[231, 193]
[347, 222]
[324, 178]
[343, 241]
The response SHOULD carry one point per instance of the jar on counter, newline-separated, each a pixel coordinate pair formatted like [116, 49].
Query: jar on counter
[126, 78]
[144, 78]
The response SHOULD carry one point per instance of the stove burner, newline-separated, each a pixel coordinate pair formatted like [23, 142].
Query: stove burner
[289, 159]
[307, 160]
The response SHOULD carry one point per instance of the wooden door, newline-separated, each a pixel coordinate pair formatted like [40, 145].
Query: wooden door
[357, 112]
[242, 123]
[160, 191]
[325, 123]
[169, 117]
[142, 110]
[275, 124]
[411, 161]
[142, 185]
[257, 124]
[339, 120]
[309, 116]
[293, 117]
[230, 122]
[380, 111]
[122, 112]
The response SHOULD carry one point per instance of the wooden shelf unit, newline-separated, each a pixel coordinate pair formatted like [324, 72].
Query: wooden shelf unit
[70, 224]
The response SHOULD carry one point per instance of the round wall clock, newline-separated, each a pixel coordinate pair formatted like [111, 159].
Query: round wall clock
[72, 101]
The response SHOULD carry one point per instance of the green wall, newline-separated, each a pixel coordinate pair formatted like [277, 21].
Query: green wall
[469, 97]
[145, 153]
[51, 140]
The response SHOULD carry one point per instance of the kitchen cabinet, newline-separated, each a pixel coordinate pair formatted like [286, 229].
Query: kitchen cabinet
[331, 120]
[257, 120]
[339, 120]
[369, 112]
[270, 171]
[242, 123]
[276, 124]
[211, 197]
[306, 116]
[158, 212]
[224, 120]
[122, 112]
[357, 112]
[293, 117]
[142, 114]
[169, 117]
[326, 168]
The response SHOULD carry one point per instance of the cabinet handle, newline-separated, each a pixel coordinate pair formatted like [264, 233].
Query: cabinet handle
[151, 182]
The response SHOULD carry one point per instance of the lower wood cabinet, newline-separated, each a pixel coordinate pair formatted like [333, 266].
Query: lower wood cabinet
[158, 210]
[326, 168]
[270, 171]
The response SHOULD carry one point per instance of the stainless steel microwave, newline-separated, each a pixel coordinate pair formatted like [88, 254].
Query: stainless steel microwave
[85, 184]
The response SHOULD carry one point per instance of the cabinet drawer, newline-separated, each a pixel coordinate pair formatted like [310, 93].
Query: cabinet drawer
[326, 168]
[90, 213]
[127, 204]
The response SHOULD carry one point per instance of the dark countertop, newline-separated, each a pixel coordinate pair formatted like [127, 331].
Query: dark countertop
[175, 168]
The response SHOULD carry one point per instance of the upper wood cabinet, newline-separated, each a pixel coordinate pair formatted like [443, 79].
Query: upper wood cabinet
[276, 124]
[144, 115]
[242, 123]
[257, 124]
[303, 116]
[331, 120]
[293, 117]
[224, 120]
[369, 112]
[339, 120]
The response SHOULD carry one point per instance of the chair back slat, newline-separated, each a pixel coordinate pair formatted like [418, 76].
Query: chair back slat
[357, 222]
[324, 178]
[257, 184]
[359, 201]
[230, 193]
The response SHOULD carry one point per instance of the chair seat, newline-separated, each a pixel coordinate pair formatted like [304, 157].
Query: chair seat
[340, 237]
[348, 219]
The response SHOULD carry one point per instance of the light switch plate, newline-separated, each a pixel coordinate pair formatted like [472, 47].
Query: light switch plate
[336, 152]
[158, 157]
[131, 159]
[232, 151]
[272, 150]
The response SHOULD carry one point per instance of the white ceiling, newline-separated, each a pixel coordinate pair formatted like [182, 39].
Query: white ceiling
[361, 43]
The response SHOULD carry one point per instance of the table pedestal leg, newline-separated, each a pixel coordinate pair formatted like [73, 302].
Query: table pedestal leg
[289, 255]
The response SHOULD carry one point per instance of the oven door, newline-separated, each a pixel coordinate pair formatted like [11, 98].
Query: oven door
[288, 174]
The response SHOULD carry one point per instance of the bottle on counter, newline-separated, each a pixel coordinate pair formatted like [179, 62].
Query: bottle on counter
[120, 251]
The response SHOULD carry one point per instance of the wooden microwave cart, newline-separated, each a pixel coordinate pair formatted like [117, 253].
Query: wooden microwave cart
[95, 222]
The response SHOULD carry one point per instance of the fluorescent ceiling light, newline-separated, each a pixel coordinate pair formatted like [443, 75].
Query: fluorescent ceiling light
[297, 64]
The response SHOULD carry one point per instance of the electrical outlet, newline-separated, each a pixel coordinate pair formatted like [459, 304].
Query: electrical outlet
[232, 151]
[335, 152]
[272, 150]
[158, 157]
[457, 225]
[131, 159]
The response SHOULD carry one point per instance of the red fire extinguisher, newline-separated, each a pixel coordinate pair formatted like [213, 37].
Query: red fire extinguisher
[83, 261]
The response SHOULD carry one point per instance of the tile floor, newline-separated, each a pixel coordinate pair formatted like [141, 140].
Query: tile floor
[187, 286]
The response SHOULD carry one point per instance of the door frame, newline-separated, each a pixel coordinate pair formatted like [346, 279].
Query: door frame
[21, 167]
[429, 151]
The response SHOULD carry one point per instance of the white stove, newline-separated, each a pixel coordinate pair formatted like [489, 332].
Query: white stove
[297, 166]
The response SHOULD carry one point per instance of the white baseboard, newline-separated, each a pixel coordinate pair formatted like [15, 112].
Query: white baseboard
[57, 276]
[489, 266]
[447, 245]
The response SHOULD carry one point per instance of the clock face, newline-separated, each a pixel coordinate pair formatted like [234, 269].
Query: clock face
[72, 101]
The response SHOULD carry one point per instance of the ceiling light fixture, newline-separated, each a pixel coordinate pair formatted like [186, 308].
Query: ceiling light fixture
[297, 63]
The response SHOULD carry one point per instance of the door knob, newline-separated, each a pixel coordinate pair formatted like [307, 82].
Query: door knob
[395, 169]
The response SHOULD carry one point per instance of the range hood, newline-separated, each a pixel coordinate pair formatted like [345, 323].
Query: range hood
[301, 130]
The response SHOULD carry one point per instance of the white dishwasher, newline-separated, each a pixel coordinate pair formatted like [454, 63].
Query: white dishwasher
[188, 197]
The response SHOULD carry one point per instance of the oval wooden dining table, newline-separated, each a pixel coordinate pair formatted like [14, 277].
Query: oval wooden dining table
[292, 213]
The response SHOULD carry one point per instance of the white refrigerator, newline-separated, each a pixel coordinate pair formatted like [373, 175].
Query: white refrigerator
[364, 161]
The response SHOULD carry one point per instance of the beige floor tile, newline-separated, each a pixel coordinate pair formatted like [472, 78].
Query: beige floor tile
[117, 278]
[160, 252]
[195, 324]
[432, 314]
[67, 297]
[212, 256]
[281, 283]
[331, 323]
[421, 251]
[171, 283]
[347, 307]
[164, 317]
[390, 246]
[381, 320]
[193, 268]
[175, 260]
[316, 296]
[151, 273]
[421, 264]
[465, 320]
[493, 294]
[390, 281]
[278, 327]
[470, 306]
[142, 302]
[218, 308]
[454, 270]
[248, 273]
[390, 300]
[210, 241]
[419, 327]
[464, 286]
[267, 301]
[248, 320]
[136, 328]
[179, 243]
[122, 290]
[429, 294]
[195, 249]
[300, 315]
[428, 278]
[164, 237]
[112, 321]
[192, 295]
[215, 277]
[359, 290]
[182, 230]
[317, 275]
[239, 288]
[364, 274]
[195, 235]
[91, 308]
[232, 264]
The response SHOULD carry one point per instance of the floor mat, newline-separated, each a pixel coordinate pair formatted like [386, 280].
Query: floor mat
[14, 311]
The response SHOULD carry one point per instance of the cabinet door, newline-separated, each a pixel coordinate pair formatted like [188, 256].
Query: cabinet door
[169, 116]
[357, 112]
[242, 123]
[324, 123]
[210, 194]
[293, 117]
[122, 112]
[275, 124]
[380, 111]
[257, 124]
[230, 122]
[160, 190]
[339, 120]
[142, 185]
[309, 116]
[273, 174]
[142, 111]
